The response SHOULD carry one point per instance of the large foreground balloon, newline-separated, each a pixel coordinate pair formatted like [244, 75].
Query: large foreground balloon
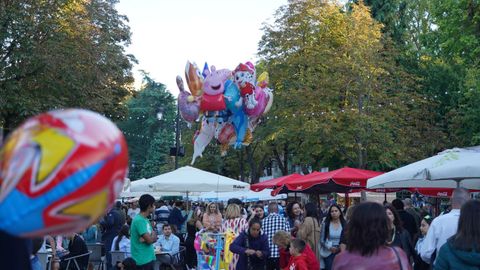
[59, 172]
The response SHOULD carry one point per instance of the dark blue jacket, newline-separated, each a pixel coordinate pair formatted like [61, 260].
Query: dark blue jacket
[239, 246]
[176, 218]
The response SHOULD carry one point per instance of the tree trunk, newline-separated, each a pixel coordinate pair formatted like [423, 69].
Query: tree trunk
[242, 170]
[285, 158]
[251, 163]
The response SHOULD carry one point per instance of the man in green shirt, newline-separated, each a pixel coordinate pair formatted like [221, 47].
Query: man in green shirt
[142, 235]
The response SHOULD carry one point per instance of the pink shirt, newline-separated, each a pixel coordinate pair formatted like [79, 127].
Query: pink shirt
[384, 259]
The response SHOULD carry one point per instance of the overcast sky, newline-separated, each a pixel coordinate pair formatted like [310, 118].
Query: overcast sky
[167, 33]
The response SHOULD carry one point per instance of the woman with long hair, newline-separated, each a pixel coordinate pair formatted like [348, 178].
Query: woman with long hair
[121, 242]
[331, 233]
[234, 222]
[310, 231]
[419, 264]
[252, 247]
[462, 250]
[212, 219]
[398, 236]
[366, 235]
[295, 216]
[194, 224]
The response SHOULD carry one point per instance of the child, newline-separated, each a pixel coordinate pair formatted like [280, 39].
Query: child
[298, 260]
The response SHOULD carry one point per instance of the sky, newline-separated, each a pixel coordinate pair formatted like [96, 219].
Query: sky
[167, 33]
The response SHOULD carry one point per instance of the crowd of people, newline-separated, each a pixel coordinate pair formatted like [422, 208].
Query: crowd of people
[280, 235]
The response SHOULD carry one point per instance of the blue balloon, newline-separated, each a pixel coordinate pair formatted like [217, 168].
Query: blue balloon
[239, 118]
[205, 70]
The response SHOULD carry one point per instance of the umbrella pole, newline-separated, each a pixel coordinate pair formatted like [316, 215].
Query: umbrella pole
[295, 193]
[347, 200]
[385, 194]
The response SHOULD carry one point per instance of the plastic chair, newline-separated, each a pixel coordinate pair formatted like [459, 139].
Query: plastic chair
[96, 256]
[73, 261]
[117, 256]
[177, 260]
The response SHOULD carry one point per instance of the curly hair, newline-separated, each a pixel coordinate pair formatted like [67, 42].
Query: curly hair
[367, 230]
[289, 208]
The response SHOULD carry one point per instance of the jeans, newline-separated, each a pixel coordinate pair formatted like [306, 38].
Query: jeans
[329, 261]
[273, 264]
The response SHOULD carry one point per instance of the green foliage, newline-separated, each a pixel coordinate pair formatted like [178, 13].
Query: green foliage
[149, 139]
[340, 96]
[62, 53]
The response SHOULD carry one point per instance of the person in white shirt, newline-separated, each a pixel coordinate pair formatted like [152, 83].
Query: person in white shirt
[168, 242]
[121, 242]
[444, 226]
[132, 212]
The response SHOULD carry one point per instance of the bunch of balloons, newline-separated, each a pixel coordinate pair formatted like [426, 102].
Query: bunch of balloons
[228, 103]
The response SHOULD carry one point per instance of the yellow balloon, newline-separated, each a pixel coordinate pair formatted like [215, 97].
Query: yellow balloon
[263, 79]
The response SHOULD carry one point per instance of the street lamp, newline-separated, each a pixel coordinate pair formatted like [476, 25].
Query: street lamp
[177, 150]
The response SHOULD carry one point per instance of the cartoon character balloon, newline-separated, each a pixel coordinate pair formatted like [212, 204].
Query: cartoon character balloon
[244, 76]
[213, 88]
[59, 172]
[188, 106]
[194, 79]
[232, 104]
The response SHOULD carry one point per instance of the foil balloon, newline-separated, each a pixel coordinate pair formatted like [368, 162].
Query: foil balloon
[202, 139]
[194, 79]
[59, 172]
[261, 96]
[226, 133]
[262, 80]
[213, 88]
[239, 118]
[189, 107]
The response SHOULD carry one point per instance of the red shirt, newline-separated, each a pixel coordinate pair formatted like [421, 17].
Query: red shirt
[298, 263]
[313, 263]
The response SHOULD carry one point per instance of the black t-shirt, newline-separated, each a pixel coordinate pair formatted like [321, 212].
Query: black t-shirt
[15, 252]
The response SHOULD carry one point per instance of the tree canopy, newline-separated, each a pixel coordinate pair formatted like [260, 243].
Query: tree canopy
[62, 53]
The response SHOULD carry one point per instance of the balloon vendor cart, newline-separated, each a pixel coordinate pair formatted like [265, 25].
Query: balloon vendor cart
[209, 247]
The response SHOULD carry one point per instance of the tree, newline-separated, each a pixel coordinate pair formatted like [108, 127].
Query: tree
[341, 99]
[62, 53]
[149, 138]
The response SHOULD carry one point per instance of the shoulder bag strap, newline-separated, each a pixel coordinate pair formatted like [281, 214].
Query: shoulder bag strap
[398, 258]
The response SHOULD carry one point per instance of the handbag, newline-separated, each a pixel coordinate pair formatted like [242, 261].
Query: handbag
[324, 250]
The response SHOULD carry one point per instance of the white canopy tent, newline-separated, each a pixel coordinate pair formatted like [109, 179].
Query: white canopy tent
[245, 196]
[188, 180]
[457, 167]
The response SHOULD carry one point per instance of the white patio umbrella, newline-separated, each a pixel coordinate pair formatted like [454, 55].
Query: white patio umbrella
[457, 167]
[187, 180]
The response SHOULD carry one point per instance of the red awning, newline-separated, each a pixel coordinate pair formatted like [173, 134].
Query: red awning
[341, 180]
[274, 183]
